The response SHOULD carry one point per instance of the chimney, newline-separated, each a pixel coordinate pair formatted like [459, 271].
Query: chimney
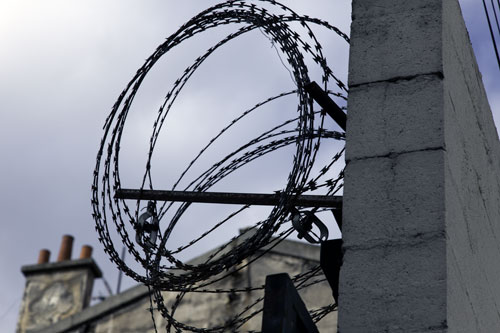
[66, 248]
[44, 256]
[86, 252]
[56, 290]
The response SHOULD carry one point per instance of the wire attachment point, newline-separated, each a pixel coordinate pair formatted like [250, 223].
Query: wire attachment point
[303, 223]
[147, 227]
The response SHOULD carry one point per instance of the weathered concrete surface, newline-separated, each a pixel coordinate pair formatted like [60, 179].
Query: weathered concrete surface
[396, 117]
[422, 185]
[472, 180]
[394, 39]
[55, 291]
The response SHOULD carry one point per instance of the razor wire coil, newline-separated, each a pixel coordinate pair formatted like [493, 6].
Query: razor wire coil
[123, 216]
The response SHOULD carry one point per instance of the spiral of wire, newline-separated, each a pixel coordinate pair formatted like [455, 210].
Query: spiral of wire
[163, 270]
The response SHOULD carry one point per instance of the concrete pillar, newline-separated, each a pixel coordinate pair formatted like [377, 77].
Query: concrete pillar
[421, 208]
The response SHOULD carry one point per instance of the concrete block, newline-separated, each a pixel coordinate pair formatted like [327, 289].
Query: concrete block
[395, 266]
[377, 8]
[389, 117]
[396, 288]
[394, 312]
[394, 198]
[394, 39]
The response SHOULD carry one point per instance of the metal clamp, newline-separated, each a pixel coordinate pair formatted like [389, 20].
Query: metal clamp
[303, 222]
[147, 230]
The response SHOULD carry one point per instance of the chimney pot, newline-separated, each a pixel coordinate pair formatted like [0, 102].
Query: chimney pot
[66, 248]
[86, 252]
[43, 256]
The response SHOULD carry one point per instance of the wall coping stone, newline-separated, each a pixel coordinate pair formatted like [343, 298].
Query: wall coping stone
[53, 267]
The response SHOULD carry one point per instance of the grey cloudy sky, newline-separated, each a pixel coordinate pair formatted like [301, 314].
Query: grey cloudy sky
[62, 66]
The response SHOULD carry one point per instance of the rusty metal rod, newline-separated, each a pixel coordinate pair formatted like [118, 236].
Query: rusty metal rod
[326, 201]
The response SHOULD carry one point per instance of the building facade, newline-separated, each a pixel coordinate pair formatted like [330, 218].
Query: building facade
[57, 296]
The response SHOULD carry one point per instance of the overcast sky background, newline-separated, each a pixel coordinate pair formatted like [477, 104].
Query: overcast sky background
[62, 66]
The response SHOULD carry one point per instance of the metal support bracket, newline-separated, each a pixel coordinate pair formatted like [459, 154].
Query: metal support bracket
[284, 311]
[321, 97]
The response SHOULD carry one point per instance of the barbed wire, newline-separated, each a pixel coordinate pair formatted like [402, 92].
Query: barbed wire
[164, 271]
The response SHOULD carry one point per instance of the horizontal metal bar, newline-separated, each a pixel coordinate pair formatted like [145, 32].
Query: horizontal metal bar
[327, 201]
